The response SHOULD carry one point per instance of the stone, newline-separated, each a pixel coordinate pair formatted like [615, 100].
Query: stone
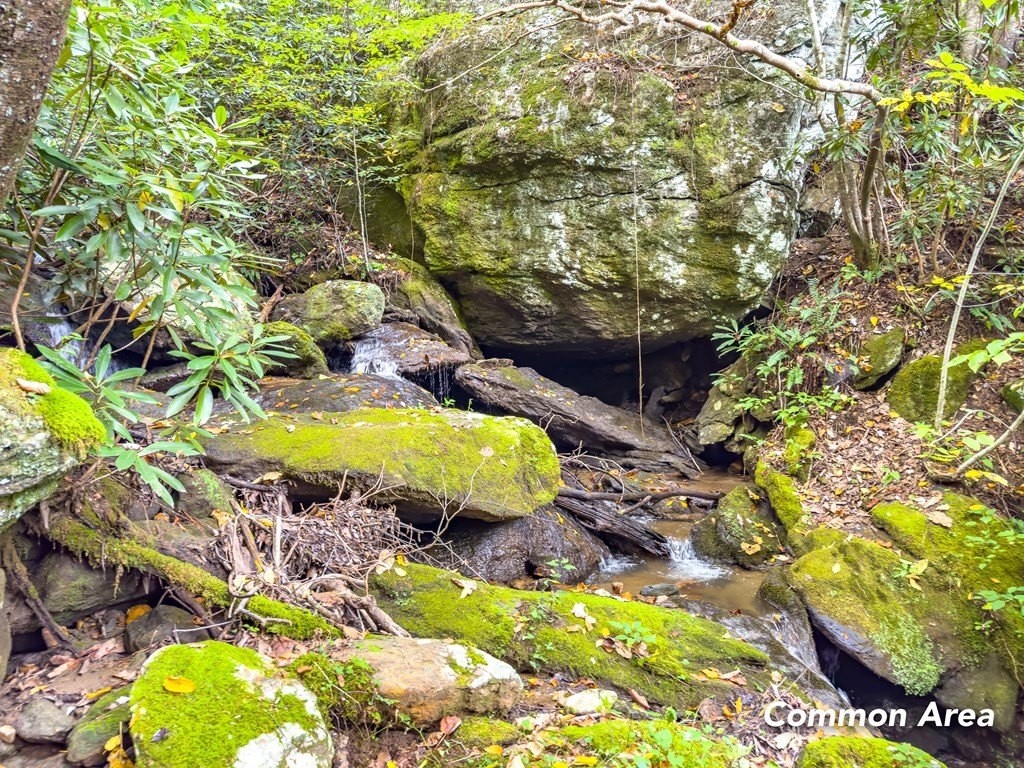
[414, 351]
[880, 355]
[739, 531]
[592, 702]
[1013, 395]
[572, 420]
[340, 392]
[538, 181]
[205, 494]
[36, 756]
[7, 734]
[165, 622]
[309, 361]
[722, 420]
[71, 589]
[546, 544]
[104, 720]
[433, 463]
[914, 390]
[45, 431]
[419, 293]
[240, 711]
[659, 590]
[429, 679]
[5, 631]
[163, 378]
[43, 722]
[858, 752]
[334, 311]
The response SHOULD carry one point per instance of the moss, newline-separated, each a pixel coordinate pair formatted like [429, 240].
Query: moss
[481, 732]
[737, 532]
[658, 739]
[798, 454]
[224, 713]
[345, 691]
[857, 752]
[495, 467]
[914, 393]
[128, 553]
[530, 629]
[104, 720]
[879, 356]
[1013, 395]
[785, 502]
[334, 311]
[309, 361]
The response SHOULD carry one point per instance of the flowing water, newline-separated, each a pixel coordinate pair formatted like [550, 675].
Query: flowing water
[722, 585]
[370, 356]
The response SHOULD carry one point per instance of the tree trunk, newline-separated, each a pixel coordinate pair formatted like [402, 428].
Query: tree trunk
[31, 39]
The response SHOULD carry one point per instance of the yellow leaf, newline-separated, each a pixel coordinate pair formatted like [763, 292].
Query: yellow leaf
[93, 695]
[468, 587]
[114, 742]
[139, 308]
[874, 322]
[494, 749]
[136, 612]
[711, 674]
[179, 685]
[585, 760]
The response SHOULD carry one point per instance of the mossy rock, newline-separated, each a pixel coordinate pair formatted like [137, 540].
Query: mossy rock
[799, 452]
[914, 391]
[611, 739]
[1013, 395]
[784, 498]
[43, 434]
[216, 704]
[738, 531]
[420, 293]
[204, 495]
[482, 732]
[309, 361]
[105, 719]
[334, 311]
[539, 630]
[858, 752]
[880, 356]
[430, 462]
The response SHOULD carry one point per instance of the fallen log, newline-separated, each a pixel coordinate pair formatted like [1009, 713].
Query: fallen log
[576, 493]
[604, 519]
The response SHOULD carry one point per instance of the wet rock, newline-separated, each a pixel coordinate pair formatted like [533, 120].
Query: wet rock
[163, 378]
[334, 311]
[739, 530]
[546, 543]
[429, 679]
[418, 292]
[5, 629]
[204, 495]
[659, 590]
[104, 720]
[240, 711]
[341, 392]
[44, 432]
[593, 702]
[914, 391]
[43, 722]
[528, 131]
[36, 756]
[879, 355]
[415, 351]
[309, 360]
[430, 462]
[722, 419]
[71, 589]
[572, 420]
[163, 623]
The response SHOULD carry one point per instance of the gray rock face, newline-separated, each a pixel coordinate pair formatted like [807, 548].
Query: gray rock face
[335, 311]
[165, 622]
[544, 544]
[5, 629]
[43, 722]
[71, 589]
[548, 188]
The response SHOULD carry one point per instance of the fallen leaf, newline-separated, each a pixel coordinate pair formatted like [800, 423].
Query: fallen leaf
[639, 698]
[939, 517]
[136, 612]
[468, 587]
[179, 685]
[494, 749]
[33, 387]
[449, 724]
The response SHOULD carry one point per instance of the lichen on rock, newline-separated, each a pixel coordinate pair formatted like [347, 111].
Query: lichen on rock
[334, 311]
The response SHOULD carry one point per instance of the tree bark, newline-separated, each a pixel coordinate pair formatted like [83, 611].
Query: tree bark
[31, 39]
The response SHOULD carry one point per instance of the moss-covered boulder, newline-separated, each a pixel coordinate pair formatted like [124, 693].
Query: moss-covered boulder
[309, 360]
[44, 432]
[914, 391]
[551, 632]
[739, 530]
[105, 719]
[537, 177]
[857, 752]
[338, 392]
[784, 499]
[879, 357]
[334, 311]
[205, 495]
[215, 704]
[430, 462]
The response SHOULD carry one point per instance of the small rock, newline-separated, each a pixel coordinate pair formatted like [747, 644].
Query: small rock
[7, 734]
[6, 750]
[43, 722]
[165, 622]
[36, 757]
[659, 590]
[102, 722]
[881, 354]
[591, 702]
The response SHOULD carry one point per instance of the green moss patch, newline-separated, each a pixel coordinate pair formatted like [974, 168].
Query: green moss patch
[738, 531]
[856, 752]
[914, 392]
[309, 361]
[539, 630]
[626, 742]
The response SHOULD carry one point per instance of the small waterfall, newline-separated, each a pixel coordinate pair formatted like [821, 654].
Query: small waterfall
[685, 564]
[59, 329]
[370, 356]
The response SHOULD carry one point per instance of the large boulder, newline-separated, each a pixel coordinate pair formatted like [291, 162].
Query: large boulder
[556, 191]
[44, 432]
[434, 462]
[914, 391]
[335, 311]
[216, 704]
[339, 392]
[855, 752]
[418, 293]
